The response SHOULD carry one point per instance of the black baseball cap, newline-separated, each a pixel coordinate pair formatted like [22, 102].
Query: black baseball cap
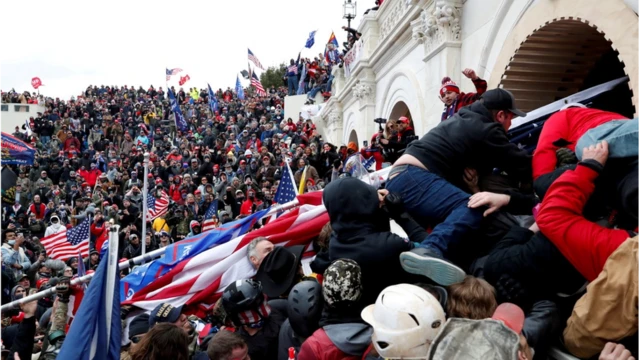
[501, 99]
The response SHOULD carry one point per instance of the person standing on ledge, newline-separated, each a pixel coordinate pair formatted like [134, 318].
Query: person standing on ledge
[453, 99]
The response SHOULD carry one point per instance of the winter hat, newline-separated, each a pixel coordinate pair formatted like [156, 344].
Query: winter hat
[448, 85]
[342, 284]
[474, 339]
[139, 325]
[193, 224]
[352, 146]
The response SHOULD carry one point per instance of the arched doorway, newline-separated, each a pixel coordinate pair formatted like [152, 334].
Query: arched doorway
[353, 137]
[564, 57]
[399, 109]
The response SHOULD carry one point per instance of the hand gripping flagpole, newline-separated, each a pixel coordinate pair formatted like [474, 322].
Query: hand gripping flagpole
[113, 237]
[145, 206]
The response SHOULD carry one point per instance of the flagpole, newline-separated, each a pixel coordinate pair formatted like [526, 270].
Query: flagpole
[113, 238]
[145, 206]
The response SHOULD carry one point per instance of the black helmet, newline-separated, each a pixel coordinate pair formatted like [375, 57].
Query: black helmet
[242, 295]
[305, 307]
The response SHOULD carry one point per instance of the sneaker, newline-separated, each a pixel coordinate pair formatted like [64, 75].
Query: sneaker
[423, 261]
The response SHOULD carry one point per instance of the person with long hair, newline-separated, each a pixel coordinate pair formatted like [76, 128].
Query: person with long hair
[163, 341]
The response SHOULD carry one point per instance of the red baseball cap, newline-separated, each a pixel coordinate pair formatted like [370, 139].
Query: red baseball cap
[511, 315]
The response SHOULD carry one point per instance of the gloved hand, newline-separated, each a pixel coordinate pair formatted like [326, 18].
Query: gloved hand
[509, 289]
[394, 204]
[564, 156]
[63, 289]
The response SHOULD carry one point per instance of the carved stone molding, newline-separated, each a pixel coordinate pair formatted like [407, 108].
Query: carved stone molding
[392, 17]
[363, 91]
[438, 24]
[335, 116]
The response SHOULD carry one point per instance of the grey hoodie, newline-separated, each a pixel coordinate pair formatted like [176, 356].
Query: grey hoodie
[350, 338]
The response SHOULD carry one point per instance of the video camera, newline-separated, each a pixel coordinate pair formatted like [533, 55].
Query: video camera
[380, 121]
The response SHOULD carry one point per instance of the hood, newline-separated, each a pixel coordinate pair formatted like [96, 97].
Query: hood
[13, 292]
[353, 208]
[352, 338]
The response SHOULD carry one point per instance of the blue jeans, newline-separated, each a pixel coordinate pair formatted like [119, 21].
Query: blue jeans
[292, 81]
[431, 199]
[621, 135]
[312, 94]
[45, 139]
[329, 82]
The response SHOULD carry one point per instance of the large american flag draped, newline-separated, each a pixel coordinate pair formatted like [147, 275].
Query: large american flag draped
[256, 83]
[198, 282]
[171, 72]
[254, 60]
[157, 207]
[208, 223]
[68, 243]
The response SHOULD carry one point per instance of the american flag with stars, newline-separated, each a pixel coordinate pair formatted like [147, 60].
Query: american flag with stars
[287, 189]
[254, 60]
[157, 207]
[208, 223]
[68, 243]
[256, 83]
[171, 72]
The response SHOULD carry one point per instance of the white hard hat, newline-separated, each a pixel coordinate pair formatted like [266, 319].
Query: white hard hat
[405, 320]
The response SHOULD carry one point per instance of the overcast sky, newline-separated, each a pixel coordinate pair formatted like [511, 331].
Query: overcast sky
[71, 44]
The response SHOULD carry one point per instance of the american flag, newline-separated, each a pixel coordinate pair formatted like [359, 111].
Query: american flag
[254, 60]
[68, 243]
[287, 189]
[256, 83]
[157, 207]
[208, 223]
[172, 72]
[198, 282]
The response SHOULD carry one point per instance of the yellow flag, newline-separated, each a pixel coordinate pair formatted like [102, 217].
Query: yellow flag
[303, 179]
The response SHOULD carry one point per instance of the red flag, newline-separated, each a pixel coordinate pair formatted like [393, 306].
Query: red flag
[184, 79]
[36, 82]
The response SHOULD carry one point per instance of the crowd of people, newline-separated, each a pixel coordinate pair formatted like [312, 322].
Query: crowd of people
[536, 251]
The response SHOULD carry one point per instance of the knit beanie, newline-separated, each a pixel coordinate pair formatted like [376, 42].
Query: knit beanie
[448, 85]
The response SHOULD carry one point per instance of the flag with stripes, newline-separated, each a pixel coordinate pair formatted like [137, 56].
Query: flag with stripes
[197, 282]
[256, 83]
[142, 279]
[157, 207]
[254, 60]
[208, 223]
[171, 72]
[68, 243]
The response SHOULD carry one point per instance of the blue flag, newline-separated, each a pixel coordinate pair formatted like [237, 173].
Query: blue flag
[239, 89]
[95, 333]
[15, 151]
[311, 40]
[181, 123]
[141, 276]
[213, 101]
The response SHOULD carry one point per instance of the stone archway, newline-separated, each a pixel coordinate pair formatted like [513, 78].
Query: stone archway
[562, 58]
[353, 137]
[614, 22]
[400, 109]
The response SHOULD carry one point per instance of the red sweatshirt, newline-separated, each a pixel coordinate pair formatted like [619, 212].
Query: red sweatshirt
[569, 125]
[586, 245]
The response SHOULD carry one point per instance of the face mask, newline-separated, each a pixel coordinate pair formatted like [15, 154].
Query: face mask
[12, 242]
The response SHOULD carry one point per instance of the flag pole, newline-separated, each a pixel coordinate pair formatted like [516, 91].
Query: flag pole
[126, 264]
[145, 206]
[113, 238]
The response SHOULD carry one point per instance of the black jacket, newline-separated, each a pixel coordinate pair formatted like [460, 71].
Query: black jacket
[533, 261]
[470, 138]
[361, 232]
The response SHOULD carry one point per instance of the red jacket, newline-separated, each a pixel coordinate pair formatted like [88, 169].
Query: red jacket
[586, 245]
[319, 347]
[90, 176]
[465, 99]
[69, 141]
[42, 208]
[569, 125]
